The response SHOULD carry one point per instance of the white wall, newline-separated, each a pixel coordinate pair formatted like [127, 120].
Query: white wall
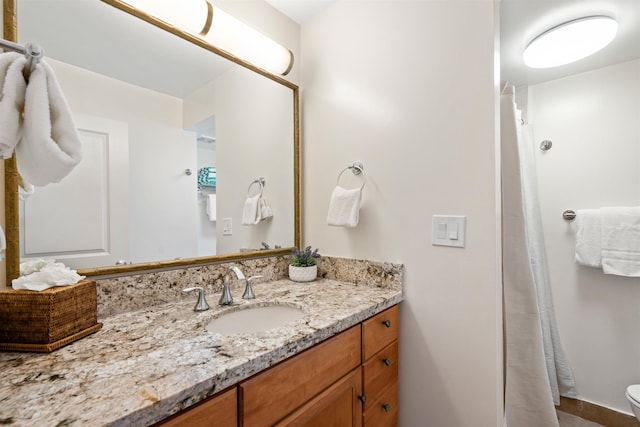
[407, 88]
[593, 120]
[254, 138]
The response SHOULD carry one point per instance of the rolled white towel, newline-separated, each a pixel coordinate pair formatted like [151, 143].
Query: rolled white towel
[13, 85]
[344, 207]
[50, 146]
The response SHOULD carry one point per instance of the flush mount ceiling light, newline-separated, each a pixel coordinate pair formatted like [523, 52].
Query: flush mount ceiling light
[201, 19]
[570, 42]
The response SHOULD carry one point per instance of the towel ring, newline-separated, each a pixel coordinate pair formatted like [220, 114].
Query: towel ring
[261, 182]
[357, 169]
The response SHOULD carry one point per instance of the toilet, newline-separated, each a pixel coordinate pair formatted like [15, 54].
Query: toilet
[633, 395]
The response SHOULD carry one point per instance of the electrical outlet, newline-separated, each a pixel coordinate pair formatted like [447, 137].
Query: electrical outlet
[227, 227]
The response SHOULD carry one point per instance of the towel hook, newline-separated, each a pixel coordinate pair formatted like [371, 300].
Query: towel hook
[356, 168]
[261, 182]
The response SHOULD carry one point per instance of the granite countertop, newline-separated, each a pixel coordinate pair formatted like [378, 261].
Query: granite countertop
[145, 365]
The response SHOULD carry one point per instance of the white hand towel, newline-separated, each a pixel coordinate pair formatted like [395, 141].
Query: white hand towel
[211, 207]
[344, 207]
[13, 85]
[264, 210]
[250, 214]
[588, 237]
[621, 241]
[50, 146]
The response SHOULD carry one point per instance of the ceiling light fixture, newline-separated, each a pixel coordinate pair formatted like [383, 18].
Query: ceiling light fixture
[201, 19]
[570, 42]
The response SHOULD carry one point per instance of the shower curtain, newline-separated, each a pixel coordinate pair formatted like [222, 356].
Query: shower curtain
[536, 370]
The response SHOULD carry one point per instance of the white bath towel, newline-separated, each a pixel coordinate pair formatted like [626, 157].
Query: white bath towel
[13, 85]
[344, 207]
[588, 237]
[50, 146]
[250, 215]
[621, 241]
[211, 207]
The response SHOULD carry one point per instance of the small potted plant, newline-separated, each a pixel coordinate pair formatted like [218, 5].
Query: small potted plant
[304, 266]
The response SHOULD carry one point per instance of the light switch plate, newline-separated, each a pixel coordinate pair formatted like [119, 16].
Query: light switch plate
[227, 227]
[448, 230]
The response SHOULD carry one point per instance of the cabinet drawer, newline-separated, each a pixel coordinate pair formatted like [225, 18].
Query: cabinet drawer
[380, 371]
[379, 331]
[384, 411]
[220, 410]
[275, 393]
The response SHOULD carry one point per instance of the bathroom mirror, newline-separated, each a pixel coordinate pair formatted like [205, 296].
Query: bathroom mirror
[157, 111]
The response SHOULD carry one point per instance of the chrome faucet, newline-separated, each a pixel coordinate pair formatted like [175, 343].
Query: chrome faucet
[226, 298]
[248, 290]
[201, 305]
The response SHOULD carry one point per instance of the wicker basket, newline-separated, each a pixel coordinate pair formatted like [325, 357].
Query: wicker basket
[47, 320]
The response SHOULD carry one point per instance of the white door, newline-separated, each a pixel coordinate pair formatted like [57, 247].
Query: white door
[83, 221]
[164, 197]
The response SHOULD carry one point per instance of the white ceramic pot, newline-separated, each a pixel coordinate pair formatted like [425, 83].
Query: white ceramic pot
[303, 274]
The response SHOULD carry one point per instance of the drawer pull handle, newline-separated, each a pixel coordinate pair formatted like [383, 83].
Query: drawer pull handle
[387, 323]
[386, 407]
[386, 361]
[362, 398]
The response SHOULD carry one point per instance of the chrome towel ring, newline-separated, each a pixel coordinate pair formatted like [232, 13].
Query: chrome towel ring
[357, 169]
[261, 182]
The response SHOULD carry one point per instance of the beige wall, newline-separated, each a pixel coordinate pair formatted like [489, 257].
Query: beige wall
[254, 138]
[593, 120]
[407, 88]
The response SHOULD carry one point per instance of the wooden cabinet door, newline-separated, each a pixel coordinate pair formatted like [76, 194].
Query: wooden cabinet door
[275, 393]
[337, 406]
[220, 410]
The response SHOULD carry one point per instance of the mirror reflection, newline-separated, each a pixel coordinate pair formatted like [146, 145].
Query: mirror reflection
[174, 140]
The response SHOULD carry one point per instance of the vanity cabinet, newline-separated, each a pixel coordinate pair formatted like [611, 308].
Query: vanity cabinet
[219, 411]
[380, 369]
[350, 379]
[271, 395]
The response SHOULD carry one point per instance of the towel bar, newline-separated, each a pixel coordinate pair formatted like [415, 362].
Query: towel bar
[569, 215]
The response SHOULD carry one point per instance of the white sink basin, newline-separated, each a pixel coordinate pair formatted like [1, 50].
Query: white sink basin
[254, 319]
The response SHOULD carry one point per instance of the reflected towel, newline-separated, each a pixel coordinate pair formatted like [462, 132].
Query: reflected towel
[50, 146]
[588, 237]
[13, 86]
[621, 241]
[344, 207]
[255, 209]
[250, 211]
[264, 210]
[211, 207]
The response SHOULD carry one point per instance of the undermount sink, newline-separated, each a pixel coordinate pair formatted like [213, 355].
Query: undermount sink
[254, 319]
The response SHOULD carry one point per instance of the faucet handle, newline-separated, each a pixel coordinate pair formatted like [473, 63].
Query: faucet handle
[201, 305]
[248, 291]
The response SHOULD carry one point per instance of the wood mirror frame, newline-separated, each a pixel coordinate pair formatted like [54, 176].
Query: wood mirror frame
[12, 177]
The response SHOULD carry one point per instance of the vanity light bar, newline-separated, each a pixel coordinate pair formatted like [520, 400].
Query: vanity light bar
[200, 18]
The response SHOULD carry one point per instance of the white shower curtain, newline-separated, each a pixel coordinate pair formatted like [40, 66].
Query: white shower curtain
[536, 371]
